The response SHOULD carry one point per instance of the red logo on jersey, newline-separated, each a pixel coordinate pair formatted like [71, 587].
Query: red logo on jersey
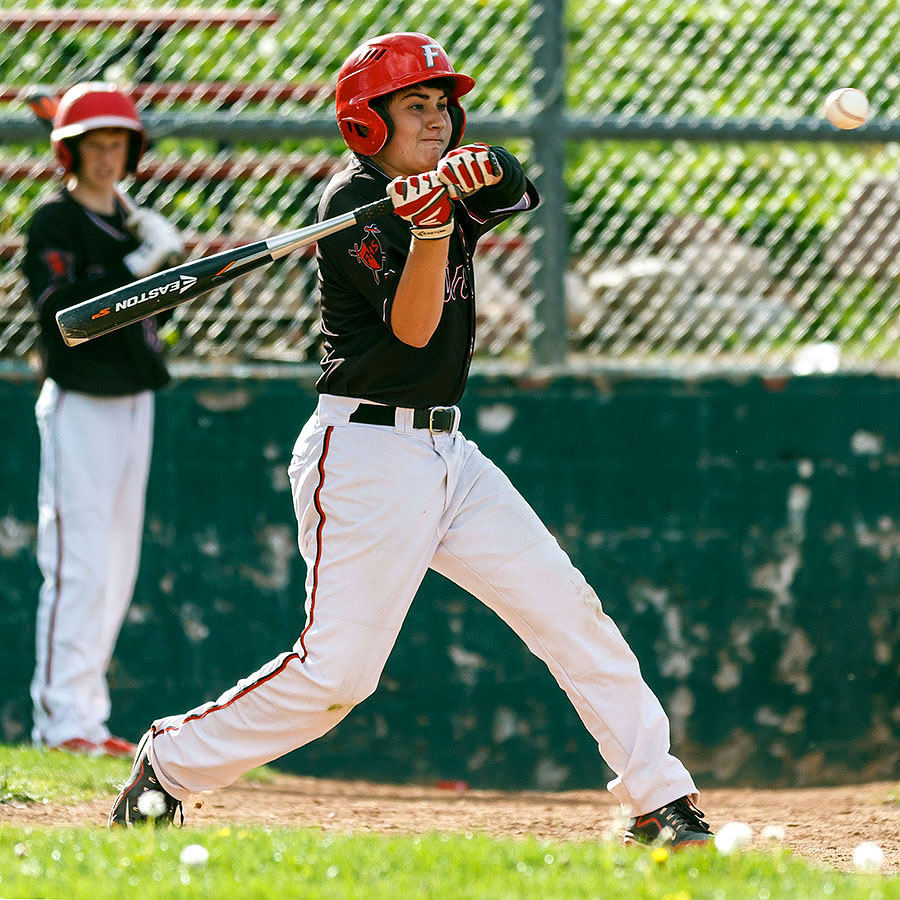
[369, 251]
[59, 264]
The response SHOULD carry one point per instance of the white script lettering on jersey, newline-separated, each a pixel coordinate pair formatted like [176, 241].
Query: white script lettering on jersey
[455, 285]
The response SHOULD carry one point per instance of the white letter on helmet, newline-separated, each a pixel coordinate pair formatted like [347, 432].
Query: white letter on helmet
[431, 51]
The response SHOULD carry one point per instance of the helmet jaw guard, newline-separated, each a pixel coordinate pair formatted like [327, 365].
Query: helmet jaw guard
[87, 107]
[386, 64]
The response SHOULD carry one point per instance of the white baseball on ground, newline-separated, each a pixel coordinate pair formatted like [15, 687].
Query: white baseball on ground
[151, 804]
[847, 108]
[868, 857]
[732, 836]
[194, 855]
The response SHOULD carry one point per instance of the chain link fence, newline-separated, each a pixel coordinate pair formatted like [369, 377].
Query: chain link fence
[703, 212]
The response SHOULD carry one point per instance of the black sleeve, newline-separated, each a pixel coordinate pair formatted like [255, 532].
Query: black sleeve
[51, 268]
[511, 188]
[513, 193]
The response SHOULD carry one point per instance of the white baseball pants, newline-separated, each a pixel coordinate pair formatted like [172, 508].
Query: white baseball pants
[377, 507]
[95, 459]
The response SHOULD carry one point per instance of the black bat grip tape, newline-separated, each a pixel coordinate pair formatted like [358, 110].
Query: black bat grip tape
[373, 210]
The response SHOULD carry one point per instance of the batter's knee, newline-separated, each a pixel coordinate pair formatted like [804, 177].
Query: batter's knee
[341, 683]
[349, 694]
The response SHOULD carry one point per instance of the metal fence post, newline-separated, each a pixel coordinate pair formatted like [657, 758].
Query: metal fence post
[549, 343]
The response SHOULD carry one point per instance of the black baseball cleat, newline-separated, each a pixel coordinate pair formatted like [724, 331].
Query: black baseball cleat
[143, 799]
[677, 824]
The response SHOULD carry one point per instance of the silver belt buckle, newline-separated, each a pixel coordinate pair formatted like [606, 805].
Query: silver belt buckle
[454, 412]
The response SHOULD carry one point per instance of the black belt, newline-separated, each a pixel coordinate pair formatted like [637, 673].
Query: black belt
[438, 418]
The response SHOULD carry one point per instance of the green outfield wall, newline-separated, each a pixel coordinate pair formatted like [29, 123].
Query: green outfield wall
[744, 533]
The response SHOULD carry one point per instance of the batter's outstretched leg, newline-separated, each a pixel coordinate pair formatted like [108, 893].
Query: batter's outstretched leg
[497, 548]
[367, 546]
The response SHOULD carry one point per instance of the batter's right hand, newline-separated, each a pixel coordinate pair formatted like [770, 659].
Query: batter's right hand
[423, 201]
[161, 243]
[468, 169]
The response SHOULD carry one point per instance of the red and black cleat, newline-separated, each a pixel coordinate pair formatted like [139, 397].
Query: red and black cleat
[143, 799]
[677, 824]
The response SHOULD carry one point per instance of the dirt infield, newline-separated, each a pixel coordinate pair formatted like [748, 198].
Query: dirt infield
[820, 824]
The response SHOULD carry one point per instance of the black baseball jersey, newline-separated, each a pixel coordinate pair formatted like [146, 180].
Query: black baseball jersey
[73, 254]
[359, 269]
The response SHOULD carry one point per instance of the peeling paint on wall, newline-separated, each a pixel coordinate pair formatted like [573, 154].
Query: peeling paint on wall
[680, 705]
[885, 538]
[549, 775]
[728, 676]
[279, 548]
[865, 443]
[496, 418]
[776, 576]
[192, 622]
[793, 666]
[223, 401]
[468, 665]
[504, 724]
[208, 542]
[16, 536]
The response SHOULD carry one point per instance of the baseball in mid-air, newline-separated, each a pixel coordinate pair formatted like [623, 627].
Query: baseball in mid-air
[847, 108]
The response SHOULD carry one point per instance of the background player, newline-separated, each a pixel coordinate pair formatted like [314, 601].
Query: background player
[386, 487]
[94, 414]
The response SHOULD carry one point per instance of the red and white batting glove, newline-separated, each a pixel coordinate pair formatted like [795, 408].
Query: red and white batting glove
[470, 168]
[423, 201]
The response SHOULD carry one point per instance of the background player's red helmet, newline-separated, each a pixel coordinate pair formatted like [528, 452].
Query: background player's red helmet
[381, 66]
[89, 106]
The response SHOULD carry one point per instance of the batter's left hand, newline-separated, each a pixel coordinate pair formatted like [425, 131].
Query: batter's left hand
[425, 203]
[469, 168]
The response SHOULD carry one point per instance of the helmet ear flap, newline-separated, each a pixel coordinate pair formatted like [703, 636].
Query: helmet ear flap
[379, 107]
[137, 144]
[364, 132]
[67, 155]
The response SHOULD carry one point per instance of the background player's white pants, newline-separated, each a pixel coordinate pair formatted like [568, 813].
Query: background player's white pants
[376, 508]
[95, 458]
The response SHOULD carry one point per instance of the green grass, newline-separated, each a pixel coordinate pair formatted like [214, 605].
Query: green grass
[256, 861]
[32, 775]
[29, 775]
[261, 862]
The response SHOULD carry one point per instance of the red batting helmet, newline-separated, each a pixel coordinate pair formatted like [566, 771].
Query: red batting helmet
[89, 106]
[381, 66]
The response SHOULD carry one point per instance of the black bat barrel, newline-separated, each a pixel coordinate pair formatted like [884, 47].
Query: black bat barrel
[157, 293]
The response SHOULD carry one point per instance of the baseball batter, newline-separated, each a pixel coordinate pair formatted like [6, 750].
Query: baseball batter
[94, 415]
[385, 485]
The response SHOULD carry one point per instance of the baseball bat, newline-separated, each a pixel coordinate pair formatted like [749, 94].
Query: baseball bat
[172, 287]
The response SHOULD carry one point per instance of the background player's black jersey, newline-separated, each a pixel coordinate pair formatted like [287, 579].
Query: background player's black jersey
[73, 254]
[359, 269]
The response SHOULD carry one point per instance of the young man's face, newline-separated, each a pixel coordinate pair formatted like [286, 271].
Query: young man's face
[421, 133]
[102, 155]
